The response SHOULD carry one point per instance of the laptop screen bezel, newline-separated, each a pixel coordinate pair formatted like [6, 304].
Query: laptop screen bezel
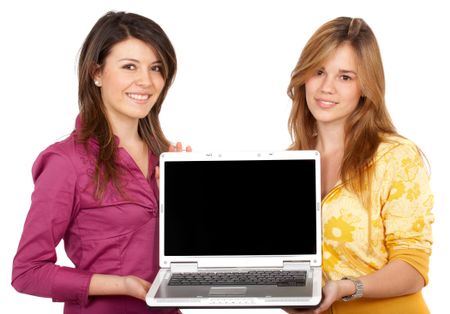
[244, 260]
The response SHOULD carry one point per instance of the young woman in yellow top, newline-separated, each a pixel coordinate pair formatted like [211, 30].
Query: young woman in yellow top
[376, 200]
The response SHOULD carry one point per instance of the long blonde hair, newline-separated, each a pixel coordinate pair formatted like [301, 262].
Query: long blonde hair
[368, 124]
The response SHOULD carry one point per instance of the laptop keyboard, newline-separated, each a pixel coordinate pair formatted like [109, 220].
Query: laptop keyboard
[278, 278]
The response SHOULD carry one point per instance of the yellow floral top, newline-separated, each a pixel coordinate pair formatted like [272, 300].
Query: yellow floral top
[400, 224]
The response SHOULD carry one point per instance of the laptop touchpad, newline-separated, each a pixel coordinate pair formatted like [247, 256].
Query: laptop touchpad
[227, 290]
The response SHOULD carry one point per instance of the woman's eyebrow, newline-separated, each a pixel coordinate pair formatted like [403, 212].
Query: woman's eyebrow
[347, 71]
[129, 59]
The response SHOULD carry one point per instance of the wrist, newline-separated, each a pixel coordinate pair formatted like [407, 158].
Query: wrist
[351, 288]
[346, 287]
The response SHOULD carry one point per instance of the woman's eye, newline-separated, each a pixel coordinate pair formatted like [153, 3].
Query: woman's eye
[156, 68]
[320, 72]
[346, 78]
[129, 66]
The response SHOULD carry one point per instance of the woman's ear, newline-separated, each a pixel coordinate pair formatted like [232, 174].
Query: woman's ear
[96, 75]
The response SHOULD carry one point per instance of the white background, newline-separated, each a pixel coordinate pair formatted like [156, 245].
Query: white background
[235, 60]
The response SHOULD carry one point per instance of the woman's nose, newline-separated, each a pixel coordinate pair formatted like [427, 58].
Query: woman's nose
[144, 79]
[328, 85]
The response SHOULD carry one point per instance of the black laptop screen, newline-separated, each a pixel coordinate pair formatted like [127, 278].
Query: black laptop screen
[265, 207]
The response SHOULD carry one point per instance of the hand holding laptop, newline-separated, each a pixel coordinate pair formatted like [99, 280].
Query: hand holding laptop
[136, 286]
[178, 147]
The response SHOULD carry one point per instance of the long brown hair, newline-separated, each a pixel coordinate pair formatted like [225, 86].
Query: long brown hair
[367, 126]
[110, 29]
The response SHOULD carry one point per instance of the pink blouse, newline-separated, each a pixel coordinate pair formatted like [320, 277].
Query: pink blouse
[118, 235]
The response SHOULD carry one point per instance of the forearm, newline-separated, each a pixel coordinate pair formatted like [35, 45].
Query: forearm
[395, 279]
[107, 285]
[118, 285]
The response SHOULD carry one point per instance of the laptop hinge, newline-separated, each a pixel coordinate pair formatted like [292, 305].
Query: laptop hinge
[296, 265]
[183, 267]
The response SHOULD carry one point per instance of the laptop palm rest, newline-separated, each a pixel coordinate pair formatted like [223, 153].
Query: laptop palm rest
[227, 290]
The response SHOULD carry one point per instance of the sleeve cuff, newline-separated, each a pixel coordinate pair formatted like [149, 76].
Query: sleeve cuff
[416, 258]
[71, 285]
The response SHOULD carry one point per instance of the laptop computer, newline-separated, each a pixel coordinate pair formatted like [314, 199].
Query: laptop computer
[239, 229]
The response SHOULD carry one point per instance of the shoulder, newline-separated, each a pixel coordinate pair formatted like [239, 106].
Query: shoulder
[399, 158]
[395, 148]
[65, 148]
[60, 157]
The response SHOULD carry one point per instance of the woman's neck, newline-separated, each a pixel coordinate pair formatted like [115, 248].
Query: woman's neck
[126, 130]
[330, 144]
[330, 139]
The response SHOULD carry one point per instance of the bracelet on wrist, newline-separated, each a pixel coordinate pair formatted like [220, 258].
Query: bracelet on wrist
[359, 289]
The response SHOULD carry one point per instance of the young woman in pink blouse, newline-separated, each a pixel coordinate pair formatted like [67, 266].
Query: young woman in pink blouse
[98, 188]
